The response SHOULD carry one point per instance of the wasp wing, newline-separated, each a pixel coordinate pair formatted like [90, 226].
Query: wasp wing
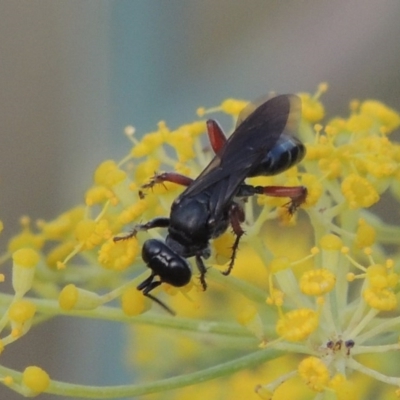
[250, 142]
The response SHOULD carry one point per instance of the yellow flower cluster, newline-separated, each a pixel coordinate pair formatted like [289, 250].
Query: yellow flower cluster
[318, 289]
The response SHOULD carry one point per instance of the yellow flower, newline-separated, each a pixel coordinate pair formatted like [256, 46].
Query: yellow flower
[118, 255]
[359, 192]
[91, 233]
[317, 282]
[313, 110]
[297, 325]
[314, 373]
[389, 118]
[310, 308]
[108, 174]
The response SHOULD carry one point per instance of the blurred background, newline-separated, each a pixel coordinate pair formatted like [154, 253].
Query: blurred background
[74, 74]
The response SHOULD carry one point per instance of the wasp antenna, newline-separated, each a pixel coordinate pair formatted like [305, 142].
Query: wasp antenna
[159, 302]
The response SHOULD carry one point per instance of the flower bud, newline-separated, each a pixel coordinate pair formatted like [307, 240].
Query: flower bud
[23, 271]
[73, 298]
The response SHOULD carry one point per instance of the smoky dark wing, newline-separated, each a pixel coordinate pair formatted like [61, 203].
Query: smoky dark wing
[251, 107]
[246, 147]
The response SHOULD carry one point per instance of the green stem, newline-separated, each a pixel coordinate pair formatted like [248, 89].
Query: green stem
[246, 289]
[109, 392]
[114, 314]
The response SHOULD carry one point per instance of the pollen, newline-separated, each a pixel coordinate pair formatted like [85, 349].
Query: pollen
[133, 302]
[331, 130]
[365, 234]
[35, 379]
[331, 242]
[182, 141]
[145, 170]
[195, 128]
[359, 192]
[61, 226]
[233, 107]
[388, 117]
[331, 167]
[297, 325]
[21, 311]
[98, 195]
[379, 277]
[312, 109]
[318, 150]
[141, 150]
[133, 212]
[90, 233]
[118, 255]
[314, 373]
[317, 282]
[108, 174]
[359, 124]
[149, 143]
[26, 239]
[314, 187]
[276, 298]
[380, 299]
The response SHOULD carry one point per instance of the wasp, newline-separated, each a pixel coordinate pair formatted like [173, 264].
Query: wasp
[263, 143]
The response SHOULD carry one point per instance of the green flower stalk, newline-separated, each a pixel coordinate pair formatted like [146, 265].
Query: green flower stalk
[310, 310]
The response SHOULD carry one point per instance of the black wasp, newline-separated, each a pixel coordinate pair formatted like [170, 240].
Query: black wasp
[262, 144]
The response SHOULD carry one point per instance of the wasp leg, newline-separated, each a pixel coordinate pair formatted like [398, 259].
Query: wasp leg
[159, 222]
[236, 216]
[215, 135]
[203, 270]
[297, 194]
